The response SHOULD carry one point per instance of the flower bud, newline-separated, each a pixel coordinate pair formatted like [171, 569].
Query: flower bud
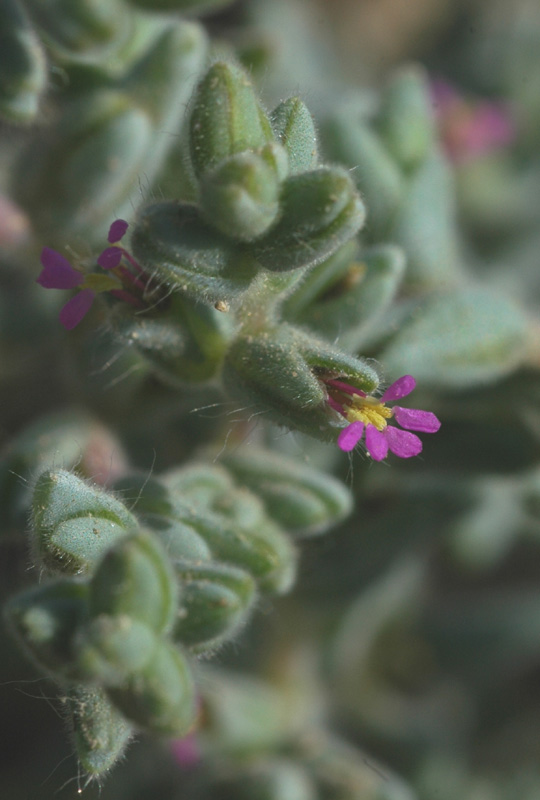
[173, 243]
[294, 127]
[73, 523]
[227, 118]
[99, 732]
[240, 196]
[23, 75]
[161, 696]
[319, 211]
[135, 579]
[282, 373]
[46, 619]
[216, 599]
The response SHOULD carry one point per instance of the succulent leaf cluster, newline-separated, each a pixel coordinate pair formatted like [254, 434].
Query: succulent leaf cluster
[249, 268]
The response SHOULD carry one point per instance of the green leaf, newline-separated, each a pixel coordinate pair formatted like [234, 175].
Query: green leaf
[23, 75]
[426, 226]
[75, 523]
[135, 579]
[294, 127]
[301, 499]
[160, 697]
[227, 118]
[100, 733]
[240, 196]
[459, 339]
[216, 600]
[405, 119]
[320, 210]
[173, 242]
[350, 141]
[46, 619]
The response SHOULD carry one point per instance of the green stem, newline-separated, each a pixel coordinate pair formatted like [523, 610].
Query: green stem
[261, 304]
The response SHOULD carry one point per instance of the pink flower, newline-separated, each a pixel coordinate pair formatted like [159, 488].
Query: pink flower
[58, 273]
[470, 128]
[367, 413]
[186, 751]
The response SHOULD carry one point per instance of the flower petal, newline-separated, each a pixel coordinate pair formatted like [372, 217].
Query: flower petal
[110, 257]
[350, 436]
[400, 388]
[376, 443]
[403, 443]
[415, 420]
[186, 751]
[76, 308]
[57, 272]
[117, 230]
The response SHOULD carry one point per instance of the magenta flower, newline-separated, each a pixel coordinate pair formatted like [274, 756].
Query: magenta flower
[186, 751]
[470, 128]
[367, 413]
[58, 273]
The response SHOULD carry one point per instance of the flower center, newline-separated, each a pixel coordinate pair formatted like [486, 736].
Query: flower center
[367, 410]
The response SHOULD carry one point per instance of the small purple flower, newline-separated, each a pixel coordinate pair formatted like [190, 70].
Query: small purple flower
[186, 752]
[370, 415]
[58, 273]
[470, 128]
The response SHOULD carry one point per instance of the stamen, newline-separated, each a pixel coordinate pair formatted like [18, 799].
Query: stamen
[345, 387]
[336, 406]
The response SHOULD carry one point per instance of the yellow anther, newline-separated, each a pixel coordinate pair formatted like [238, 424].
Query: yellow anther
[369, 411]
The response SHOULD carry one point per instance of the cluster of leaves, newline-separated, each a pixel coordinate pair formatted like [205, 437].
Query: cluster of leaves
[131, 595]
